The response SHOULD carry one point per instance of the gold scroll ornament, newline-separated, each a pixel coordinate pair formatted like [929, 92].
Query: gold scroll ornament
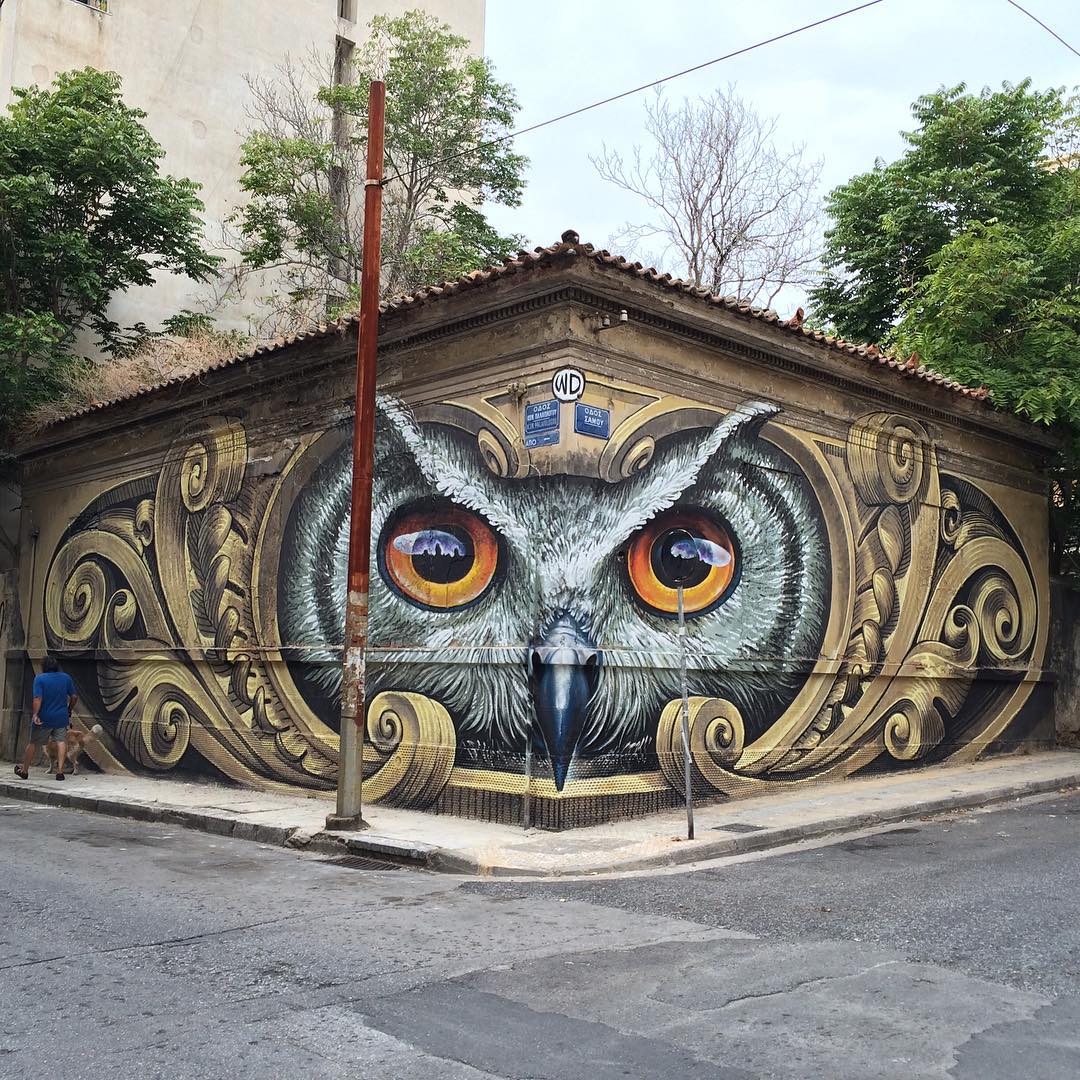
[717, 739]
[409, 751]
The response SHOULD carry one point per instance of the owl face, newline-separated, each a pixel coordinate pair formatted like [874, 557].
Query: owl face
[544, 609]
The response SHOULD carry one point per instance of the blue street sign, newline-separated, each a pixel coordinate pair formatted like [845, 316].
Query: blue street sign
[589, 420]
[548, 438]
[541, 416]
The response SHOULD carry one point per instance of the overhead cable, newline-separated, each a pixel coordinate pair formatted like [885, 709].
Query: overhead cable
[1035, 19]
[644, 86]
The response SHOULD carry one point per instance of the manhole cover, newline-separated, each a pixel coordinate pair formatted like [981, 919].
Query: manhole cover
[738, 826]
[360, 862]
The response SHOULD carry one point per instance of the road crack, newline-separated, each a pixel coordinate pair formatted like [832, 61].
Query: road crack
[164, 943]
[818, 981]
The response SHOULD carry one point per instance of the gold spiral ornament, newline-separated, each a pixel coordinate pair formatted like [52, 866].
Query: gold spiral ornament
[913, 729]
[211, 467]
[717, 740]
[887, 458]
[952, 517]
[144, 523]
[722, 734]
[961, 632]
[638, 456]
[159, 733]
[194, 471]
[495, 454]
[386, 725]
[75, 605]
[412, 747]
[124, 609]
[622, 458]
[993, 580]
[996, 606]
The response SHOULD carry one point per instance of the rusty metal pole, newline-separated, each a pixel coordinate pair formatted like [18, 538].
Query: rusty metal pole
[348, 813]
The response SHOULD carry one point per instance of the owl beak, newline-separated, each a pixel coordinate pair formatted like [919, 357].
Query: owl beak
[562, 673]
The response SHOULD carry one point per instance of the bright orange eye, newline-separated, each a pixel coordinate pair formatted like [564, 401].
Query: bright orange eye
[441, 557]
[661, 553]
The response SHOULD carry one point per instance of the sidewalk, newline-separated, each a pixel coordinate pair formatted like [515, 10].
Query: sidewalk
[459, 845]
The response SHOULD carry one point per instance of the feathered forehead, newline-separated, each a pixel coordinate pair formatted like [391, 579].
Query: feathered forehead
[451, 464]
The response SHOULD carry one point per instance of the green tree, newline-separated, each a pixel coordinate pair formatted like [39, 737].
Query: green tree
[304, 169]
[971, 158]
[1000, 307]
[84, 214]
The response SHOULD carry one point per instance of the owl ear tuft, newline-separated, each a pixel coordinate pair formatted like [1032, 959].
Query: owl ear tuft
[396, 431]
[746, 421]
[741, 426]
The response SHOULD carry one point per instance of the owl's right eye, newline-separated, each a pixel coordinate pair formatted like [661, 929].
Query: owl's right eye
[440, 557]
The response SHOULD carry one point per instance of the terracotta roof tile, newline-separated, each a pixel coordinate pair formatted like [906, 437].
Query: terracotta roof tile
[564, 250]
[574, 249]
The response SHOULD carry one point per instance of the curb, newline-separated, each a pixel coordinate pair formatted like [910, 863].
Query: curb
[773, 838]
[427, 856]
[384, 847]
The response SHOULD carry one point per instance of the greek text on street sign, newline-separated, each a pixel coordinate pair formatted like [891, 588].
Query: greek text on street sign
[548, 438]
[541, 416]
[589, 420]
[541, 424]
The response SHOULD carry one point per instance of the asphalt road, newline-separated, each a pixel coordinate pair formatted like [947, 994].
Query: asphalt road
[946, 949]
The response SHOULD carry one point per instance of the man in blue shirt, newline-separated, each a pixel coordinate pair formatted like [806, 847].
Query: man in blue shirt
[54, 699]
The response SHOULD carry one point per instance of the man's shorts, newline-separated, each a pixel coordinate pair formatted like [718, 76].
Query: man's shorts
[40, 734]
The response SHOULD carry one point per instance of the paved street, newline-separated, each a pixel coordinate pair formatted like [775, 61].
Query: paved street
[944, 948]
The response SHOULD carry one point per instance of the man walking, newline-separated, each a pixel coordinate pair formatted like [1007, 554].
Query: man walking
[54, 700]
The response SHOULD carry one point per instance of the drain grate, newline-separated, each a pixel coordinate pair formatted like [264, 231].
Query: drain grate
[738, 826]
[360, 862]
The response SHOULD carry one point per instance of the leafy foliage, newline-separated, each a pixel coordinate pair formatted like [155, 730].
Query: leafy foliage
[84, 214]
[1000, 307]
[972, 158]
[304, 168]
[966, 251]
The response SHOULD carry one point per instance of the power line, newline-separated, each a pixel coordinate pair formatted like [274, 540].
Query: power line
[648, 86]
[1044, 26]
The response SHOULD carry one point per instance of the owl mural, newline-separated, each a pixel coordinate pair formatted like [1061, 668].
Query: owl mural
[542, 609]
[853, 602]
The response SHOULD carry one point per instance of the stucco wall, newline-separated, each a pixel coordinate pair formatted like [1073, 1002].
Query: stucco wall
[184, 63]
[873, 594]
[12, 665]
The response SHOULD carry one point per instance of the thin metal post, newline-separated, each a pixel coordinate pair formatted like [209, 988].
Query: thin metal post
[685, 719]
[526, 808]
[349, 813]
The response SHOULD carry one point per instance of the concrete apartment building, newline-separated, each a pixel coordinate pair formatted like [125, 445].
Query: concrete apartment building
[185, 62]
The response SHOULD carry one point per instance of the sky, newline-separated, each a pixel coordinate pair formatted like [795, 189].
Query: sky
[843, 89]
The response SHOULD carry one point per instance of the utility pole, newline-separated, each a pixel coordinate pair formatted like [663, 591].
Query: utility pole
[348, 814]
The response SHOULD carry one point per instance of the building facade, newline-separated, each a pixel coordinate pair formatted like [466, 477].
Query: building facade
[870, 586]
[185, 63]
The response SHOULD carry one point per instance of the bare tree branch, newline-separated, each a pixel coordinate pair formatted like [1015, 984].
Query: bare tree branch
[735, 213]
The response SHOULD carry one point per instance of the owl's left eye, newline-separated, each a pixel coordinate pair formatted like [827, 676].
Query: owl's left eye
[658, 555]
[438, 557]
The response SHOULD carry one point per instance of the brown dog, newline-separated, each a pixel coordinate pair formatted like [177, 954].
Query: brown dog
[76, 741]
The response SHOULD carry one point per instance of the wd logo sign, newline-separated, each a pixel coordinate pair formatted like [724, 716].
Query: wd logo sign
[567, 384]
